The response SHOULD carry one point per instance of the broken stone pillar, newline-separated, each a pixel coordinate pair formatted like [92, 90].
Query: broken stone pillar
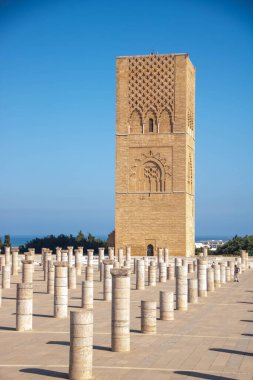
[120, 310]
[27, 271]
[78, 261]
[6, 277]
[101, 256]
[72, 277]
[170, 272]
[217, 276]
[128, 254]
[70, 255]
[81, 345]
[193, 290]
[90, 253]
[222, 273]
[205, 251]
[7, 252]
[148, 317]
[202, 280]
[47, 257]
[107, 284]
[160, 255]
[14, 271]
[61, 290]
[111, 253]
[24, 307]
[120, 257]
[140, 275]
[228, 274]
[64, 256]
[89, 273]
[162, 272]
[87, 294]
[58, 254]
[50, 277]
[181, 288]
[166, 256]
[166, 305]
[210, 280]
[243, 260]
[152, 273]
[101, 272]
[231, 265]
[146, 263]
[135, 265]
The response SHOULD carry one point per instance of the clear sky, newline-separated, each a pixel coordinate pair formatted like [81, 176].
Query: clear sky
[57, 108]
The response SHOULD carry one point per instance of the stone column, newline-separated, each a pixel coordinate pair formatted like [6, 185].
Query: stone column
[231, 265]
[6, 277]
[78, 262]
[58, 254]
[15, 262]
[135, 265]
[120, 310]
[2, 262]
[61, 290]
[101, 272]
[152, 273]
[146, 263]
[27, 271]
[7, 252]
[228, 274]
[71, 277]
[202, 280]
[181, 288]
[0, 295]
[107, 284]
[24, 307]
[166, 305]
[190, 268]
[70, 255]
[160, 255]
[50, 278]
[90, 253]
[140, 275]
[47, 257]
[120, 257]
[111, 253]
[128, 254]
[64, 256]
[87, 294]
[170, 272]
[210, 280]
[162, 272]
[243, 260]
[116, 265]
[81, 345]
[166, 256]
[148, 317]
[217, 276]
[101, 256]
[222, 273]
[193, 290]
[89, 273]
[205, 251]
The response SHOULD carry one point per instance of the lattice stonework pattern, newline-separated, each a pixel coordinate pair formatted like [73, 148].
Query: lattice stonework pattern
[151, 84]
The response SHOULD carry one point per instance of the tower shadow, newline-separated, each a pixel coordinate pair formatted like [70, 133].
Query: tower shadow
[200, 375]
[45, 372]
[243, 353]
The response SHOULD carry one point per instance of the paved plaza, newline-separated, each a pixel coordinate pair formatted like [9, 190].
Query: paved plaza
[212, 340]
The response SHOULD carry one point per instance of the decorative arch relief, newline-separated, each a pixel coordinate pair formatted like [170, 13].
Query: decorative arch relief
[150, 170]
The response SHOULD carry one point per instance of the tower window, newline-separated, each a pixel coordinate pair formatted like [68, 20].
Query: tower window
[151, 125]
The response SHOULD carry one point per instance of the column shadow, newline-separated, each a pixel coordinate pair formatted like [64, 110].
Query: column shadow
[247, 334]
[43, 315]
[102, 348]
[59, 342]
[246, 320]
[243, 353]
[7, 328]
[45, 372]
[200, 375]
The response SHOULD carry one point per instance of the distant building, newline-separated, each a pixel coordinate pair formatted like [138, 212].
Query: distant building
[211, 244]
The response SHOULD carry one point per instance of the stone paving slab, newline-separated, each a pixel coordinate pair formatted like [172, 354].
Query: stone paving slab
[212, 340]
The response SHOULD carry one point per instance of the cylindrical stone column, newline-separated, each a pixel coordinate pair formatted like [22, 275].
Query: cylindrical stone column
[205, 251]
[210, 280]
[148, 317]
[166, 256]
[6, 277]
[181, 288]
[89, 273]
[111, 253]
[202, 280]
[107, 284]
[101, 256]
[78, 261]
[24, 307]
[81, 345]
[120, 257]
[160, 255]
[166, 305]
[64, 256]
[190, 268]
[72, 277]
[193, 290]
[58, 254]
[162, 272]
[222, 273]
[7, 252]
[87, 294]
[140, 275]
[2, 262]
[47, 257]
[50, 278]
[15, 263]
[217, 276]
[228, 274]
[152, 273]
[90, 253]
[70, 255]
[170, 272]
[101, 272]
[61, 290]
[27, 271]
[120, 310]
[146, 263]
[231, 265]
[128, 254]
[116, 265]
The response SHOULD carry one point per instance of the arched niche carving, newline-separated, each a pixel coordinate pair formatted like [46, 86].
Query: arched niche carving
[165, 122]
[135, 122]
[150, 118]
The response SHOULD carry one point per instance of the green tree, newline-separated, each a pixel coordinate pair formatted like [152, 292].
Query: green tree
[91, 238]
[80, 237]
[7, 241]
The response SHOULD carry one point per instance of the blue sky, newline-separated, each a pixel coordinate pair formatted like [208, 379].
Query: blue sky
[57, 108]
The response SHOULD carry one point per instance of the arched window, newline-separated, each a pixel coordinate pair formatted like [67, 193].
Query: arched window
[136, 122]
[151, 125]
[150, 250]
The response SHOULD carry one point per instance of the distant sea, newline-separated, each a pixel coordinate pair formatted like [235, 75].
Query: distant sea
[17, 240]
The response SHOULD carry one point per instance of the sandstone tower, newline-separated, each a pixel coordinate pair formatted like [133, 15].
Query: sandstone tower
[155, 143]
